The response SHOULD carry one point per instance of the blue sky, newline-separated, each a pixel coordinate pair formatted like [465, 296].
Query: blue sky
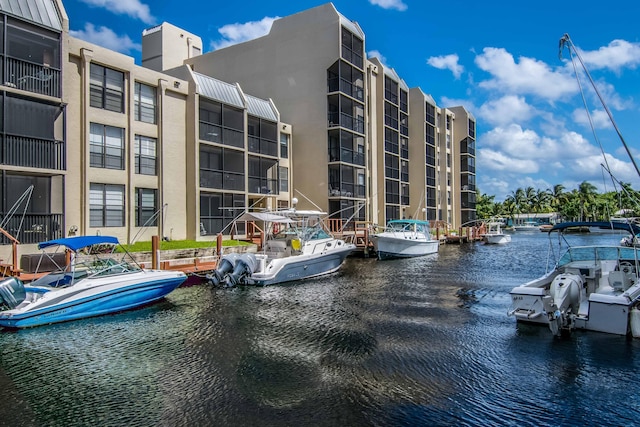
[497, 58]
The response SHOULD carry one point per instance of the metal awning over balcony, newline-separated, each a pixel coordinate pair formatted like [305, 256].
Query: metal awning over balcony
[41, 12]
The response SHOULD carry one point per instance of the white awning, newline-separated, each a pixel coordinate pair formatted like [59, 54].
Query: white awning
[263, 216]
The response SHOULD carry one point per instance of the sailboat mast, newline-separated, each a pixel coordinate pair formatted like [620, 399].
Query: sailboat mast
[566, 41]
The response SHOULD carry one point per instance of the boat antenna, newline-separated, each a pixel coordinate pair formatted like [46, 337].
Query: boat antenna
[309, 200]
[565, 41]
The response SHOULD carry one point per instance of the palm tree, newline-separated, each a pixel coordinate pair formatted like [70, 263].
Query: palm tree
[586, 196]
[557, 197]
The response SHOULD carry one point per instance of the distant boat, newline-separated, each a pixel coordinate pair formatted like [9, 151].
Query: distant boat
[495, 235]
[300, 249]
[404, 238]
[89, 285]
[546, 227]
[526, 226]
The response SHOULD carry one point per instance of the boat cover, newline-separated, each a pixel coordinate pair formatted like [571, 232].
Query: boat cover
[263, 216]
[608, 225]
[79, 242]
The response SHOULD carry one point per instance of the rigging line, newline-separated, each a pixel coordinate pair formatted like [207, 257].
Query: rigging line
[16, 205]
[586, 107]
[566, 41]
[613, 178]
[308, 200]
[151, 218]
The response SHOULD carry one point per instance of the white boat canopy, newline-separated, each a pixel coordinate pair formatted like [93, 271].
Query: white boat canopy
[264, 216]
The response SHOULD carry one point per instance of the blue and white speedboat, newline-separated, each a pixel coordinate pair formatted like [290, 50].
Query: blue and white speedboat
[91, 282]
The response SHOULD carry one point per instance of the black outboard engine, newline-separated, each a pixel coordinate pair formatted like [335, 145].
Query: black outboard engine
[245, 265]
[224, 267]
[12, 293]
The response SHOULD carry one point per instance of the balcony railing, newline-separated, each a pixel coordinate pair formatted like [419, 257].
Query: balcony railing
[34, 228]
[32, 77]
[32, 152]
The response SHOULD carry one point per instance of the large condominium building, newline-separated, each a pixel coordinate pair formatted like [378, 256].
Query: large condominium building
[353, 125]
[33, 136]
[181, 145]
[109, 147]
[313, 65]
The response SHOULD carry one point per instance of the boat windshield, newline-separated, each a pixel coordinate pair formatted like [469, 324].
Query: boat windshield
[407, 226]
[313, 233]
[597, 253]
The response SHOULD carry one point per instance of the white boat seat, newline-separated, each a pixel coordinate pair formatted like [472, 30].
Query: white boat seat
[619, 280]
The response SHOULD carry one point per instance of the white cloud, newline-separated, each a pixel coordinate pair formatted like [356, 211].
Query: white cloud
[498, 161]
[599, 118]
[105, 37]
[379, 55]
[132, 8]
[390, 4]
[447, 62]
[589, 168]
[528, 76]
[506, 110]
[238, 33]
[617, 55]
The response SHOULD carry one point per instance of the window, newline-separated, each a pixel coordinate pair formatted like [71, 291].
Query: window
[145, 103]
[107, 88]
[284, 145]
[145, 153]
[106, 205]
[221, 168]
[146, 207]
[221, 123]
[352, 48]
[262, 174]
[263, 136]
[218, 210]
[283, 175]
[106, 147]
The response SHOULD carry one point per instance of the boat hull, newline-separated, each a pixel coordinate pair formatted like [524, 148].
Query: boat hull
[496, 239]
[388, 247]
[300, 267]
[93, 297]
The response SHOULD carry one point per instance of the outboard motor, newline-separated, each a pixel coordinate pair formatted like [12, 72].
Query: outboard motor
[566, 292]
[12, 293]
[246, 264]
[224, 267]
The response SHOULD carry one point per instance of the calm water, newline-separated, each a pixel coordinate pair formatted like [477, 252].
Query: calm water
[396, 343]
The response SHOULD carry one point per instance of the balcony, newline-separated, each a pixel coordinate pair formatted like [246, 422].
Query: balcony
[34, 228]
[32, 152]
[32, 77]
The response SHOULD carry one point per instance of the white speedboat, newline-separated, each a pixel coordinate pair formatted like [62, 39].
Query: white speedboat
[300, 248]
[526, 226]
[404, 238]
[87, 285]
[594, 288]
[495, 235]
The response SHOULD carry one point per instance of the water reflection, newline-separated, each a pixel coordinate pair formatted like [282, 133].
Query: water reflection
[402, 342]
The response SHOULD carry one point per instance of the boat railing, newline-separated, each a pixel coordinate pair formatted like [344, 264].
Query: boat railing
[598, 254]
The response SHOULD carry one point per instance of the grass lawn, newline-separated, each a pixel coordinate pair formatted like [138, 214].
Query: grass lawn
[180, 244]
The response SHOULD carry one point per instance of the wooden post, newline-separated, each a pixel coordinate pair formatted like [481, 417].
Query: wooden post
[155, 252]
[219, 244]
